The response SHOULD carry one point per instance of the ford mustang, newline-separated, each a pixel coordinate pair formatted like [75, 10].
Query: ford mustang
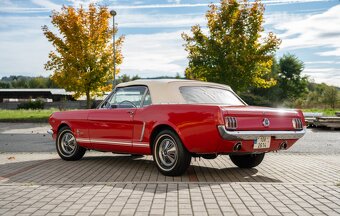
[175, 120]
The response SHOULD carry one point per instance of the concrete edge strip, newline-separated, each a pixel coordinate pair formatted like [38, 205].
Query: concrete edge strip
[24, 169]
[153, 182]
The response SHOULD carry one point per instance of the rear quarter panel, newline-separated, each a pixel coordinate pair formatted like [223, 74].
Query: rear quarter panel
[195, 124]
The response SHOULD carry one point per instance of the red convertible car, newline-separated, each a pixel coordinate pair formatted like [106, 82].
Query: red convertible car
[175, 120]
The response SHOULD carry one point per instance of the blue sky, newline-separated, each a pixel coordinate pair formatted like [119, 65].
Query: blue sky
[309, 29]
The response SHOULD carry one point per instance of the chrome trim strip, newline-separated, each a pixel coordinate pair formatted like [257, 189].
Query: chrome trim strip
[140, 144]
[112, 142]
[83, 140]
[102, 141]
[251, 135]
[142, 134]
[266, 110]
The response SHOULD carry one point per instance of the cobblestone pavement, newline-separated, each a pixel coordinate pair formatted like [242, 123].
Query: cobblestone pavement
[103, 183]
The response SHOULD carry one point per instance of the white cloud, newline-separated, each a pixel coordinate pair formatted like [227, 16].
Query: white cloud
[177, 4]
[78, 3]
[174, 1]
[25, 58]
[126, 19]
[47, 4]
[160, 54]
[24, 50]
[321, 62]
[7, 3]
[335, 52]
[319, 70]
[285, 2]
[278, 18]
[331, 76]
[23, 9]
[320, 30]
[153, 6]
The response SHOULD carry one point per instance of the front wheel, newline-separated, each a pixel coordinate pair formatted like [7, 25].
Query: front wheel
[170, 155]
[248, 160]
[67, 146]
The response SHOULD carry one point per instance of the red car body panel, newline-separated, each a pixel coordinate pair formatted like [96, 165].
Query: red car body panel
[130, 130]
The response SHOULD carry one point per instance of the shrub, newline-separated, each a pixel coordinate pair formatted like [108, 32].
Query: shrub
[32, 105]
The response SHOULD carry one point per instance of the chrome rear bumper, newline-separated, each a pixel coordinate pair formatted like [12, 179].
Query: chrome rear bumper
[50, 132]
[251, 135]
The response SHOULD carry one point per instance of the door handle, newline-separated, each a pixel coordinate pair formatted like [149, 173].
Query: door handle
[131, 112]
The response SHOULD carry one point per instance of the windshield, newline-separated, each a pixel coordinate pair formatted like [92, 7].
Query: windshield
[124, 97]
[209, 95]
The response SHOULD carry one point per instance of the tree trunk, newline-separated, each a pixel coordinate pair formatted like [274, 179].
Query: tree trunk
[88, 100]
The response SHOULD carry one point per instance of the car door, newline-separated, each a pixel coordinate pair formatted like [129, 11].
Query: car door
[111, 126]
[139, 141]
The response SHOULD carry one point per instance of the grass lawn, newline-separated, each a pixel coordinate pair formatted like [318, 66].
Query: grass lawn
[326, 112]
[25, 115]
[42, 115]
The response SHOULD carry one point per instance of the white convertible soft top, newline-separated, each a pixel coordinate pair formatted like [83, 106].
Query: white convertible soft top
[166, 91]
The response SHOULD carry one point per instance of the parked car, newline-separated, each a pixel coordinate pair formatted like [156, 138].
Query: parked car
[175, 120]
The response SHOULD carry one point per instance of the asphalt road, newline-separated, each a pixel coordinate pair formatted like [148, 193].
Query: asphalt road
[25, 137]
[28, 137]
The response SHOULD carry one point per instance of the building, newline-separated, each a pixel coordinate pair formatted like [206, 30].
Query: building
[22, 95]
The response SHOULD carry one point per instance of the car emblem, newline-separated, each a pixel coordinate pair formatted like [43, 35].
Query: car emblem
[266, 122]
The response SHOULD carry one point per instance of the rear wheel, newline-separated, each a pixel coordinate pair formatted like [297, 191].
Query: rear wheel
[247, 161]
[171, 157]
[67, 146]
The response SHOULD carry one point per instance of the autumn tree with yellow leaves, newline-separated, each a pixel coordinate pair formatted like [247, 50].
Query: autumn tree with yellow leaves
[82, 61]
[233, 51]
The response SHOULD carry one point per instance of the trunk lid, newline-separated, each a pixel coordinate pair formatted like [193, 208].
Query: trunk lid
[261, 118]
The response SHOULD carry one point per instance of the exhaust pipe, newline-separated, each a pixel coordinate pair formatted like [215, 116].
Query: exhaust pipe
[237, 146]
[283, 145]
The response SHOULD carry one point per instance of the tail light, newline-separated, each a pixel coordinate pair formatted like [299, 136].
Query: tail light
[297, 123]
[230, 122]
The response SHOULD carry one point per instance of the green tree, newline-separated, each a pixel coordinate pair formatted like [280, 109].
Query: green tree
[38, 82]
[126, 78]
[291, 83]
[314, 99]
[4, 85]
[233, 52]
[135, 77]
[330, 96]
[82, 61]
[50, 83]
[264, 96]
[20, 82]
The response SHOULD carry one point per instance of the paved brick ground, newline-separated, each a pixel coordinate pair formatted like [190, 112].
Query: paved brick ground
[102, 183]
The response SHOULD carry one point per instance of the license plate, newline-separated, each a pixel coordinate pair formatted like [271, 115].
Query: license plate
[262, 143]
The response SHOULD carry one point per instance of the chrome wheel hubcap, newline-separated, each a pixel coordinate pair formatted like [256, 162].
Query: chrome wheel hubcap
[68, 143]
[167, 152]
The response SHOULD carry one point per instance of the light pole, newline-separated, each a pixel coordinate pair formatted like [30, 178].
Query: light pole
[114, 13]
